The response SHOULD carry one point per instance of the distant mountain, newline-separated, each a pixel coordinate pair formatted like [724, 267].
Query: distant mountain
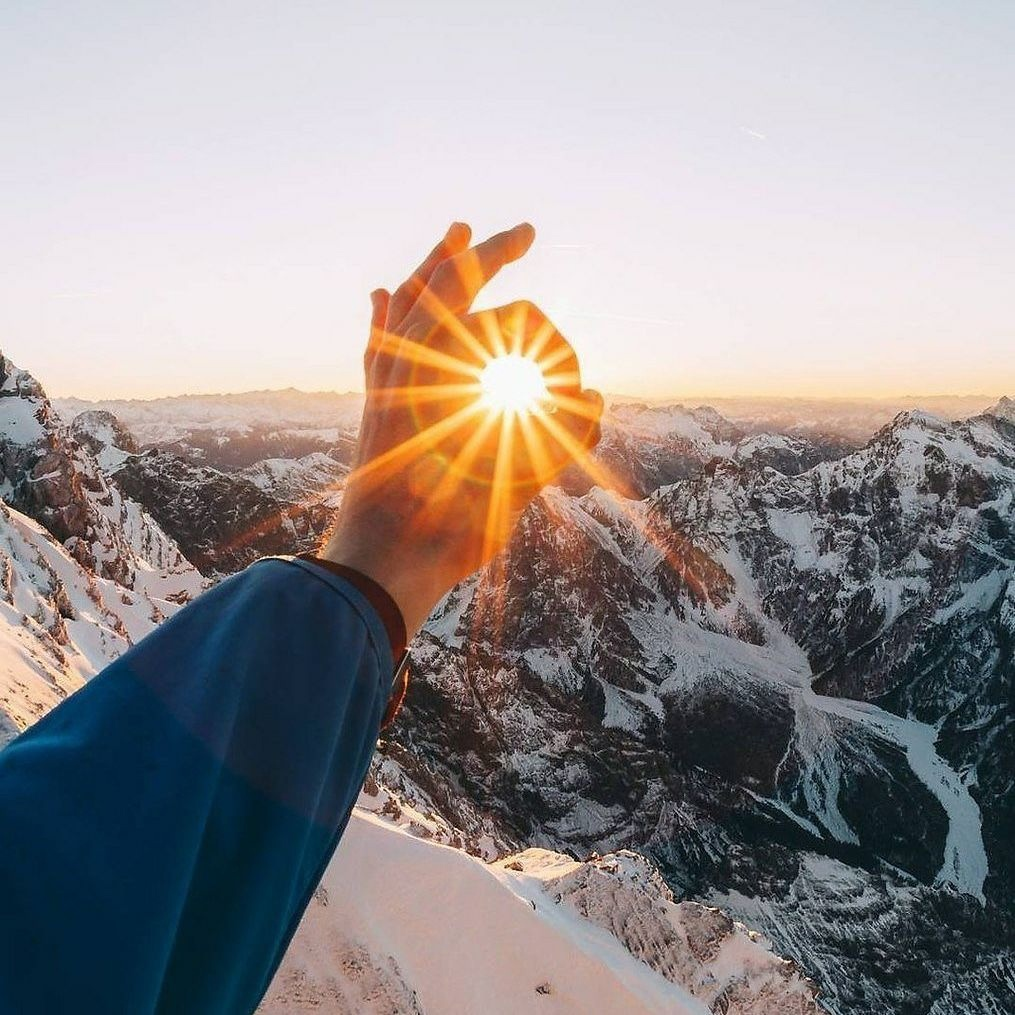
[848, 420]
[232, 432]
[223, 519]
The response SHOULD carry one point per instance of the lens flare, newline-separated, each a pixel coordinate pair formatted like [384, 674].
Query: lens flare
[512, 384]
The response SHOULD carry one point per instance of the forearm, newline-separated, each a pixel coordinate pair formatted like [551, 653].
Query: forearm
[163, 828]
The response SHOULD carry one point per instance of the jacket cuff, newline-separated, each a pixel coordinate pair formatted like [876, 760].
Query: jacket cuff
[377, 596]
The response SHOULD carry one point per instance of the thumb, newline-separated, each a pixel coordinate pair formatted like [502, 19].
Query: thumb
[582, 416]
[573, 431]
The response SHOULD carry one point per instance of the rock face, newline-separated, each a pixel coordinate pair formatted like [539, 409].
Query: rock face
[48, 475]
[225, 521]
[245, 506]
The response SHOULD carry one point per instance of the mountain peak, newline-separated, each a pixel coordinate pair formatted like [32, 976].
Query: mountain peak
[15, 381]
[1004, 408]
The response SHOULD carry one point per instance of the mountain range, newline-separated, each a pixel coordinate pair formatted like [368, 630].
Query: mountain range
[754, 680]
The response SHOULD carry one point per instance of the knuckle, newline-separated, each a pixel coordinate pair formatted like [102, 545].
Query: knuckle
[444, 271]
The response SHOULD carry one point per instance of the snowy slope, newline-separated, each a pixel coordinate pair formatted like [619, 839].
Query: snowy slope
[59, 623]
[534, 932]
[486, 948]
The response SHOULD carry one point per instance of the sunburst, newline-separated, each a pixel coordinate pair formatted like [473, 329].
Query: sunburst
[512, 384]
[496, 401]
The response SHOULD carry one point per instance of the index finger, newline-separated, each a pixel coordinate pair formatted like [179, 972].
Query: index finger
[453, 241]
[458, 280]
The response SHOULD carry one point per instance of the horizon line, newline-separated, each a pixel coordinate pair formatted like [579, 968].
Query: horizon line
[646, 398]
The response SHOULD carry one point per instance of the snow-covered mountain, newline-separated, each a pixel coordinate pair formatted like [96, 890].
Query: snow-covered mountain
[46, 474]
[534, 929]
[777, 662]
[794, 691]
[230, 432]
[222, 519]
[366, 943]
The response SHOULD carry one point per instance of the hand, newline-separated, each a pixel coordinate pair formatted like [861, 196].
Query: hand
[442, 475]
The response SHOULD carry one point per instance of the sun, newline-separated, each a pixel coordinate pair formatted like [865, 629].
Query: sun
[512, 384]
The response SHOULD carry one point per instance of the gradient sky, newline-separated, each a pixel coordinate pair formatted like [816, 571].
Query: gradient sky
[794, 198]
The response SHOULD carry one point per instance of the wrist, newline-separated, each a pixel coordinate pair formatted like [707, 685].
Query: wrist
[413, 582]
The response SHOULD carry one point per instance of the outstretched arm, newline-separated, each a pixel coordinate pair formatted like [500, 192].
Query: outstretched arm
[161, 831]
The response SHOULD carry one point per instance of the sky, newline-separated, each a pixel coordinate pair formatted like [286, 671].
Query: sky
[730, 199]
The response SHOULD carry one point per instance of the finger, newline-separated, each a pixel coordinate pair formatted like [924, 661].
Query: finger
[454, 241]
[457, 281]
[570, 434]
[379, 301]
[524, 329]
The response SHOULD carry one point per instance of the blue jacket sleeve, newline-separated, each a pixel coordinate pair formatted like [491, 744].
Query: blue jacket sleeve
[162, 830]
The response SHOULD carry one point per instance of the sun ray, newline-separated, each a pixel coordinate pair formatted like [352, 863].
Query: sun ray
[540, 338]
[403, 348]
[494, 334]
[498, 511]
[554, 359]
[543, 467]
[441, 498]
[568, 380]
[417, 394]
[610, 485]
[581, 455]
[426, 438]
[576, 406]
[448, 320]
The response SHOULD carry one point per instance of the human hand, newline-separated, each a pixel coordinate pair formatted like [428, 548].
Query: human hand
[444, 469]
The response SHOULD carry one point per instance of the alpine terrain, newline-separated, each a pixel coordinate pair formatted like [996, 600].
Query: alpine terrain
[86, 571]
[744, 692]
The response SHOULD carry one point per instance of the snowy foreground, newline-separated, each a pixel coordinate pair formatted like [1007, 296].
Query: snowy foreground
[404, 924]
[395, 911]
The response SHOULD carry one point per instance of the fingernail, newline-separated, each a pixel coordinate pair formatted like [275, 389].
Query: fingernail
[376, 296]
[456, 230]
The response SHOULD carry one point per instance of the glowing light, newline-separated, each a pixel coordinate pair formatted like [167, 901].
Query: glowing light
[512, 384]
